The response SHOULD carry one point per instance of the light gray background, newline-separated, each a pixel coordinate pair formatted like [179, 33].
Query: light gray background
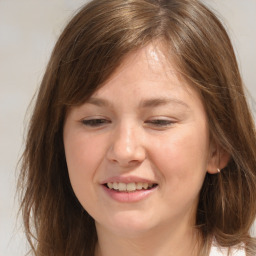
[28, 30]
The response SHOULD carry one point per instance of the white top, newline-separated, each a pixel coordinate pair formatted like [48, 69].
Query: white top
[220, 251]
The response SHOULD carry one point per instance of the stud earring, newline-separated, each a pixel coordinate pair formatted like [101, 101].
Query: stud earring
[218, 170]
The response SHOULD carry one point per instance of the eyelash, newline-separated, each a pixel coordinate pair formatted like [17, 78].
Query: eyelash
[97, 122]
[160, 122]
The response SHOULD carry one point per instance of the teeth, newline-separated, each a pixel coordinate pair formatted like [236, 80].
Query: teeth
[145, 185]
[122, 187]
[129, 187]
[139, 185]
[110, 185]
[115, 185]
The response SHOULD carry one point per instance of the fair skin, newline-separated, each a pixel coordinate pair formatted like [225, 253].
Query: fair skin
[144, 127]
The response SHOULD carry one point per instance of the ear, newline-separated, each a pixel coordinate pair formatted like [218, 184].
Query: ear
[218, 159]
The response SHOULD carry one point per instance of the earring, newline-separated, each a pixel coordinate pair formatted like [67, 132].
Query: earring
[218, 170]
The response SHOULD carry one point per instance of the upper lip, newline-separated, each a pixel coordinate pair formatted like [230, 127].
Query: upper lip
[128, 179]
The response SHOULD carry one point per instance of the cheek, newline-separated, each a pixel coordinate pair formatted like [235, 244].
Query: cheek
[182, 165]
[82, 153]
[83, 156]
[182, 157]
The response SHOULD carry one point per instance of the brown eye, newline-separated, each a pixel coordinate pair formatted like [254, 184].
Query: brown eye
[96, 122]
[160, 122]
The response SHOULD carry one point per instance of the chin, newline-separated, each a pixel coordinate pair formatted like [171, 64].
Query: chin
[130, 223]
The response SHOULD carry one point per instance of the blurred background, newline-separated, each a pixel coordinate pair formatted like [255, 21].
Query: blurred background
[28, 31]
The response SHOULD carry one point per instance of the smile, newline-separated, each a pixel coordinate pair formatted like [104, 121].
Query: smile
[130, 187]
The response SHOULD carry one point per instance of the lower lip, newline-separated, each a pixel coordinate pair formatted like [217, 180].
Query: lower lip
[129, 197]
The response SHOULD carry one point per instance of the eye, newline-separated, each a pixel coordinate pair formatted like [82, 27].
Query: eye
[95, 122]
[160, 123]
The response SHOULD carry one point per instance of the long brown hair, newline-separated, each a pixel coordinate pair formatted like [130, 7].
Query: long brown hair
[88, 51]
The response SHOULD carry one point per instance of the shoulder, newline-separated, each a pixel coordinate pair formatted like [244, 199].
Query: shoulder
[220, 251]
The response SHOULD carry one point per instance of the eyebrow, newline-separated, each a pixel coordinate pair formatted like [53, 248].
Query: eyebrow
[155, 102]
[98, 102]
[147, 103]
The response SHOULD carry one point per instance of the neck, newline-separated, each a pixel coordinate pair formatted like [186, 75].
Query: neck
[161, 241]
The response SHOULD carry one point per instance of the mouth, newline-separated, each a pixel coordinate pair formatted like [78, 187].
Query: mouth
[129, 187]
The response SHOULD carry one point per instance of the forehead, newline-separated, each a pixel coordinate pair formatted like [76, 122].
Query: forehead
[145, 71]
[149, 60]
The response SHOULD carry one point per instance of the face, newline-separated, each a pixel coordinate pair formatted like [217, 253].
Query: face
[137, 151]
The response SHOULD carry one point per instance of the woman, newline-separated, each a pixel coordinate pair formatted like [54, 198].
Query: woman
[141, 141]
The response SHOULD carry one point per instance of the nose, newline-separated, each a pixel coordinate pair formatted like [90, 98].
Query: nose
[126, 147]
